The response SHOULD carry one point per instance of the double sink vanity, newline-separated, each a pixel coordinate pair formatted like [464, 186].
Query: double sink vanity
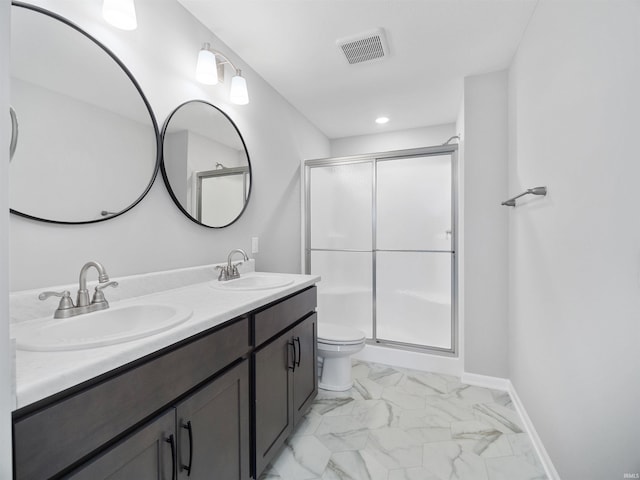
[204, 379]
[197, 372]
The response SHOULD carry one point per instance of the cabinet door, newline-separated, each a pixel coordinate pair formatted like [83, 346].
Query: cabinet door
[144, 455]
[213, 429]
[305, 375]
[273, 398]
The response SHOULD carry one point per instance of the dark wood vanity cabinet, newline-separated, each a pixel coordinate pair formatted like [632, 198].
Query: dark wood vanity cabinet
[213, 429]
[215, 406]
[59, 434]
[147, 454]
[205, 436]
[286, 380]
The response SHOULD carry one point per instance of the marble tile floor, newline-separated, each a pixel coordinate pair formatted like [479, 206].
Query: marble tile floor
[401, 424]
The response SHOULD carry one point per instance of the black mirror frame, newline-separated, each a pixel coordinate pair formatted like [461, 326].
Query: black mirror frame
[140, 92]
[166, 178]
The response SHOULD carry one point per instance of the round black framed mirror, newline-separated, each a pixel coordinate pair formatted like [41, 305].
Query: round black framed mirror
[89, 144]
[205, 164]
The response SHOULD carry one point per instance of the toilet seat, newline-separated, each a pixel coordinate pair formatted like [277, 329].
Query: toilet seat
[331, 334]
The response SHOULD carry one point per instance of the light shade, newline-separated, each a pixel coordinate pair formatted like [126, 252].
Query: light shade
[382, 120]
[239, 93]
[120, 13]
[206, 68]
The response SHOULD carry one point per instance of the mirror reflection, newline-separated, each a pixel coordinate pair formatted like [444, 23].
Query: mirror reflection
[88, 144]
[205, 164]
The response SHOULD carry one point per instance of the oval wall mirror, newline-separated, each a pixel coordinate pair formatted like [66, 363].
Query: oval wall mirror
[88, 148]
[205, 164]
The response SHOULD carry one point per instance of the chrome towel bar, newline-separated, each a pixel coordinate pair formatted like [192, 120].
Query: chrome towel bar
[532, 191]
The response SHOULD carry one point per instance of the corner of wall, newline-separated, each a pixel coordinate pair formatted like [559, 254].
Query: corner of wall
[485, 226]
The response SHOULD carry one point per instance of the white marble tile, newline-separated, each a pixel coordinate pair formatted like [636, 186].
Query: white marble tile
[399, 397]
[416, 473]
[340, 434]
[470, 394]
[513, 468]
[325, 405]
[303, 459]
[422, 418]
[522, 447]
[429, 434]
[502, 398]
[448, 408]
[394, 448]
[367, 388]
[357, 465]
[502, 418]
[448, 460]
[384, 375]
[308, 425]
[481, 438]
[395, 425]
[423, 383]
[360, 369]
[377, 413]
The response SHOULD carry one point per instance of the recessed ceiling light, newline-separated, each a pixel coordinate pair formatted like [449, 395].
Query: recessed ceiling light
[382, 120]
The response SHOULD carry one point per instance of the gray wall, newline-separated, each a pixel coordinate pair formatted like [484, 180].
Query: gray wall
[484, 225]
[155, 235]
[574, 295]
[388, 140]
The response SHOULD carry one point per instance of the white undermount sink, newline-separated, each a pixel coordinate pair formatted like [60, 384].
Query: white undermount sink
[106, 327]
[254, 281]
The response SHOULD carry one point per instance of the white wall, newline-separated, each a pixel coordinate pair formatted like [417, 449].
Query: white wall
[574, 295]
[155, 235]
[484, 240]
[395, 140]
[6, 364]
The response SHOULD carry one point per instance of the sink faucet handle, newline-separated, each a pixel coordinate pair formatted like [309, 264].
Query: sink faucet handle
[222, 276]
[98, 295]
[102, 286]
[65, 301]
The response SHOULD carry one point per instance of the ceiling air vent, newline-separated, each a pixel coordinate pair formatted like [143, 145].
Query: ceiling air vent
[364, 47]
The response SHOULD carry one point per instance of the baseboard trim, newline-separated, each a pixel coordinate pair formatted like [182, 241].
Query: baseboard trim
[505, 384]
[547, 464]
[409, 359]
[485, 381]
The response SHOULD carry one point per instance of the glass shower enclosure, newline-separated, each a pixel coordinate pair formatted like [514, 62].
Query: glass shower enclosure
[381, 232]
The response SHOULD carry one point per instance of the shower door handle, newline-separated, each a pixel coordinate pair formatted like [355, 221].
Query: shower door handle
[14, 133]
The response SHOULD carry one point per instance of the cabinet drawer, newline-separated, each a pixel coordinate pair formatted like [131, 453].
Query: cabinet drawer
[55, 437]
[278, 317]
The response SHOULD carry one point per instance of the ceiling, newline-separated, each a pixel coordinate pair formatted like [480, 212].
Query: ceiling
[433, 45]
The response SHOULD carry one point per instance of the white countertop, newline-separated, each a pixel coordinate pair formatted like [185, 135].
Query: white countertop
[41, 374]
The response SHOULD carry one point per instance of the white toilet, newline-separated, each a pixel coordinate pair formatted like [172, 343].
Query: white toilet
[336, 344]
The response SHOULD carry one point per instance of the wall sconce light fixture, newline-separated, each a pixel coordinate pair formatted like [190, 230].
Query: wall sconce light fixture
[210, 70]
[120, 13]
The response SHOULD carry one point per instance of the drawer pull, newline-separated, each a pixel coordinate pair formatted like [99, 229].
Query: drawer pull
[292, 367]
[297, 339]
[171, 442]
[188, 428]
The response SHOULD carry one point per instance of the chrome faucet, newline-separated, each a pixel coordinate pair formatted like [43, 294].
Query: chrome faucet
[230, 271]
[67, 309]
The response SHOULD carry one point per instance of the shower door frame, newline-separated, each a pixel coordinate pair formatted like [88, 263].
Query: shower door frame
[373, 158]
